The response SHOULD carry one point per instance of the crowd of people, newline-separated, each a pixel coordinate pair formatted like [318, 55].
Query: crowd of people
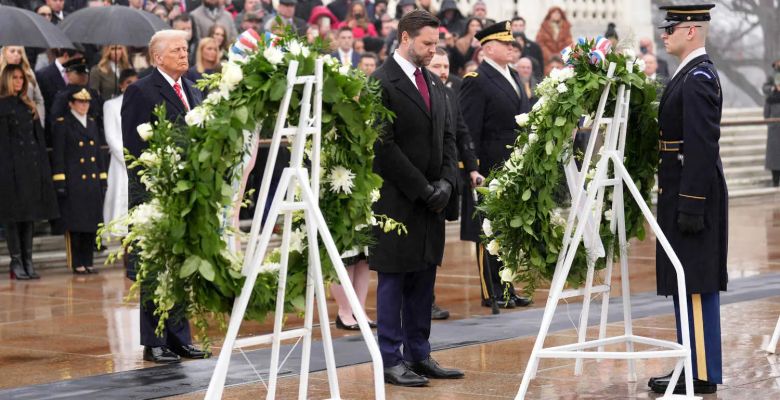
[61, 124]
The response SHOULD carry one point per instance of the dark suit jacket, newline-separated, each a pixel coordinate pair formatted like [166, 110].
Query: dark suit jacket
[50, 81]
[415, 149]
[489, 104]
[355, 57]
[140, 99]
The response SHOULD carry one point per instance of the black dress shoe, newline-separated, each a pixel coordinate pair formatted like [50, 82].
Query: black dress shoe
[501, 303]
[666, 378]
[91, 270]
[438, 313]
[401, 375]
[160, 355]
[431, 369]
[190, 351]
[520, 301]
[371, 324]
[699, 386]
[341, 325]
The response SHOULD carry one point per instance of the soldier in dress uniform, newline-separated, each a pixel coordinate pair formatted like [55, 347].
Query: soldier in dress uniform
[78, 77]
[692, 194]
[79, 175]
[490, 98]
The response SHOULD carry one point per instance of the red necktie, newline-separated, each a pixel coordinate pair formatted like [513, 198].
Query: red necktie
[422, 87]
[177, 89]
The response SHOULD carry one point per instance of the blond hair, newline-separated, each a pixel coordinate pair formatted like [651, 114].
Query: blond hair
[25, 63]
[160, 40]
[122, 64]
[199, 54]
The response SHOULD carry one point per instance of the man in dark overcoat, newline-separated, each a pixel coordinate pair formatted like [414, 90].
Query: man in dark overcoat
[692, 194]
[164, 85]
[416, 157]
[490, 98]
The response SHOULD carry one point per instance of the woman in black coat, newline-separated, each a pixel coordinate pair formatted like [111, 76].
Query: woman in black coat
[25, 178]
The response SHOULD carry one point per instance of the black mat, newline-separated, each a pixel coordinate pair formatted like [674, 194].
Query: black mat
[191, 376]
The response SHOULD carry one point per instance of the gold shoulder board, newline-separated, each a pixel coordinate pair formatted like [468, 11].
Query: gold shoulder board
[471, 75]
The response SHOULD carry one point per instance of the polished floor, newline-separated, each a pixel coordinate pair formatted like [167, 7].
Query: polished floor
[68, 327]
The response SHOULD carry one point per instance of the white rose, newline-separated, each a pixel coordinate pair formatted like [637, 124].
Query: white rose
[375, 195]
[198, 116]
[145, 131]
[149, 158]
[344, 70]
[487, 227]
[493, 186]
[273, 55]
[492, 247]
[539, 103]
[231, 74]
[214, 97]
[532, 138]
[555, 74]
[507, 275]
[330, 60]
[640, 65]
[562, 88]
[565, 74]
[608, 215]
[522, 119]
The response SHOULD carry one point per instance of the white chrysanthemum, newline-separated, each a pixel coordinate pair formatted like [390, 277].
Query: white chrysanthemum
[231, 74]
[341, 180]
[561, 88]
[273, 55]
[145, 131]
[198, 116]
[294, 47]
[493, 247]
[297, 240]
[487, 227]
[375, 195]
[522, 119]
[507, 275]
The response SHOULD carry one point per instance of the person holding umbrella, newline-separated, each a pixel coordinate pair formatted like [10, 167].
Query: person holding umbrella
[25, 178]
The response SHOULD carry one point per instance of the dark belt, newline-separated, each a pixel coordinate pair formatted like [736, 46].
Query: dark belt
[670, 145]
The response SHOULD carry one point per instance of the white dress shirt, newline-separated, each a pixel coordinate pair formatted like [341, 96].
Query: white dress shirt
[505, 72]
[80, 118]
[407, 67]
[345, 56]
[698, 52]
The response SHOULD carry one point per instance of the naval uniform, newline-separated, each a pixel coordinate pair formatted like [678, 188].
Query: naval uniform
[79, 175]
[691, 181]
[490, 102]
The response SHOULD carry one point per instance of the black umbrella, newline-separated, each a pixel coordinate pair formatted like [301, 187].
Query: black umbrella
[20, 27]
[112, 25]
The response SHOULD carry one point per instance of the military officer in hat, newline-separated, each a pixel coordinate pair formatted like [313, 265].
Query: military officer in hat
[490, 98]
[78, 76]
[79, 176]
[692, 194]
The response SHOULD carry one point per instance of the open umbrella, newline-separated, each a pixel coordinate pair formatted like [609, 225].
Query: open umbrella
[112, 25]
[20, 27]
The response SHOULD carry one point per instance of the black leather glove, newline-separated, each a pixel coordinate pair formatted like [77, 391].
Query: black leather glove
[437, 200]
[62, 192]
[690, 223]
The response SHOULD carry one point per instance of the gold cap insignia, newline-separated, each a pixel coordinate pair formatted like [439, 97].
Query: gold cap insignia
[82, 94]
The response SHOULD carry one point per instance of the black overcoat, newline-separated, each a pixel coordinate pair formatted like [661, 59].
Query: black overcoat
[26, 191]
[415, 149]
[79, 167]
[489, 104]
[691, 180]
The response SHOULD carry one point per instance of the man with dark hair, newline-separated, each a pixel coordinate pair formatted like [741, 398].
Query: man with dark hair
[416, 157]
[530, 49]
[490, 98]
[345, 52]
[368, 63]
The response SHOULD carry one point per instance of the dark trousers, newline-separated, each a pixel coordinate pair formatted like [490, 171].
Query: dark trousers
[403, 307]
[177, 328]
[704, 329]
[79, 247]
[489, 266]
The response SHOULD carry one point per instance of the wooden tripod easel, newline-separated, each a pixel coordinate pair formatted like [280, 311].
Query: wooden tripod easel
[295, 179]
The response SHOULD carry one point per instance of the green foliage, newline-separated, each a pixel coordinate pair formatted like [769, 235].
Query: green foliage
[523, 201]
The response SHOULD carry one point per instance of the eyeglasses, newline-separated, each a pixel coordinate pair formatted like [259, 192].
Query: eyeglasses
[670, 29]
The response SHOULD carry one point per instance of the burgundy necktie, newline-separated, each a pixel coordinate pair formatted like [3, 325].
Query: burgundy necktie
[177, 89]
[422, 87]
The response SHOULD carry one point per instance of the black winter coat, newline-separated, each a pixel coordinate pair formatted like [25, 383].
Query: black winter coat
[415, 149]
[691, 180]
[26, 191]
[78, 167]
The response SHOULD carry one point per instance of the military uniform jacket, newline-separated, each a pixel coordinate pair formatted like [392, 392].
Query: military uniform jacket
[415, 149]
[691, 180]
[489, 104]
[78, 166]
[26, 191]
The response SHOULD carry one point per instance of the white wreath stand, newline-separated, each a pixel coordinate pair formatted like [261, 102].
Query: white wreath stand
[295, 179]
[772, 347]
[612, 152]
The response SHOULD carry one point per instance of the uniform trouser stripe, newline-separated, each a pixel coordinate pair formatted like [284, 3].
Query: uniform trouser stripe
[698, 330]
[481, 266]
[705, 335]
[68, 254]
